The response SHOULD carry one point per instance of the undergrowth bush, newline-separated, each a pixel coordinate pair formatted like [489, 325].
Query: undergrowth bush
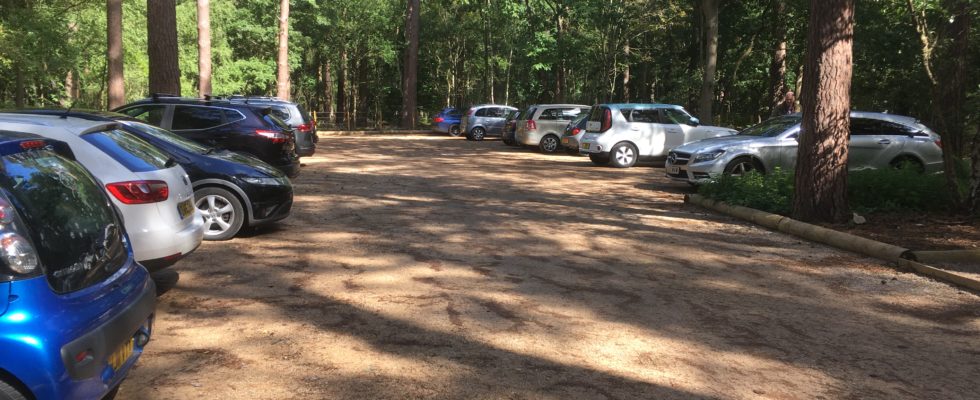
[880, 190]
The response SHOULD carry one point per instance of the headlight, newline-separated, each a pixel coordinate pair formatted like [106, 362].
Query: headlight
[701, 157]
[265, 181]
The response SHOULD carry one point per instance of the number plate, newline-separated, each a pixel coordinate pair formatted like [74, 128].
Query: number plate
[121, 355]
[185, 208]
[586, 145]
[564, 141]
[674, 170]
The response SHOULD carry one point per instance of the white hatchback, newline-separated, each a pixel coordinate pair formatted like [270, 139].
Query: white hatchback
[151, 191]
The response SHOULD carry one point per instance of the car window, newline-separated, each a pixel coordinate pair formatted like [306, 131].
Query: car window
[676, 116]
[79, 239]
[151, 114]
[528, 114]
[129, 150]
[551, 114]
[168, 137]
[232, 116]
[891, 128]
[483, 112]
[186, 117]
[865, 127]
[771, 127]
[280, 112]
[648, 116]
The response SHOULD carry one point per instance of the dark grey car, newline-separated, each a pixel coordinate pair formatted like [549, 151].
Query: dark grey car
[484, 120]
[294, 115]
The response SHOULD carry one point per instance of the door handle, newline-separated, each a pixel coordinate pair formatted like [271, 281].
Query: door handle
[634, 129]
[884, 141]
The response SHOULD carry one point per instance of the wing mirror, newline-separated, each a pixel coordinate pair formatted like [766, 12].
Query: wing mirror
[694, 121]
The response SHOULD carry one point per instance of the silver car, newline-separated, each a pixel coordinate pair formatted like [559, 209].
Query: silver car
[543, 125]
[484, 120]
[877, 141]
[574, 131]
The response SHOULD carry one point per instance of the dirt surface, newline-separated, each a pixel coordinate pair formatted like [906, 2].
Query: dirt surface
[430, 267]
[920, 232]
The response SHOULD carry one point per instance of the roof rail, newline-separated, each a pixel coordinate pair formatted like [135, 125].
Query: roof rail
[157, 96]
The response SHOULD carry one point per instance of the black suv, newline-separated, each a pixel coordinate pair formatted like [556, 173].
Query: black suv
[216, 122]
[293, 114]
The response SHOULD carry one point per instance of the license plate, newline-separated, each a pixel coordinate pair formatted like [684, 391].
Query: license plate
[586, 145]
[674, 170]
[564, 141]
[121, 355]
[185, 208]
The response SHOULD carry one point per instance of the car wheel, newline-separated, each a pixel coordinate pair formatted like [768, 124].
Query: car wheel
[454, 131]
[743, 165]
[549, 144]
[507, 139]
[9, 392]
[907, 162]
[623, 155]
[477, 134]
[599, 159]
[222, 212]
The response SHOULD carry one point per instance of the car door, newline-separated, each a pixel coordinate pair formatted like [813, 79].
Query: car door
[677, 129]
[870, 146]
[550, 119]
[199, 124]
[644, 130]
[497, 116]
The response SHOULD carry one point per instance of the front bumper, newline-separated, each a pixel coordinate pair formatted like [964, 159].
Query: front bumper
[696, 173]
[269, 204]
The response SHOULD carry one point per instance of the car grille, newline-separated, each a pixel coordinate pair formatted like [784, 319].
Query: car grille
[678, 158]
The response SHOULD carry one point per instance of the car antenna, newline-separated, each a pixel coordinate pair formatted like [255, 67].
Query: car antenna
[68, 110]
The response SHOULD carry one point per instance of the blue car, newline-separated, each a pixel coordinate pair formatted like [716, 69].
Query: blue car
[76, 310]
[447, 121]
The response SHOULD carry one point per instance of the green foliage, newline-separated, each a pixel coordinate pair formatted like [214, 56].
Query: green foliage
[870, 190]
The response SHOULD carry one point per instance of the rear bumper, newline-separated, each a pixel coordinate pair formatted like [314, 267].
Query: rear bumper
[161, 248]
[305, 144]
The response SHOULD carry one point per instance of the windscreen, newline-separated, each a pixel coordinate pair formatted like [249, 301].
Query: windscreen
[169, 137]
[771, 127]
[70, 219]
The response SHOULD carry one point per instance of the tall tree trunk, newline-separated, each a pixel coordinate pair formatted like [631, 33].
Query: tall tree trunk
[204, 47]
[114, 53]
[161, 28]
[626, 72]
[561, 72]
[341, 115]
[327, 90]
[821, 171]
[709, 9]
[411, 79]
[777, 68]
[282, 60]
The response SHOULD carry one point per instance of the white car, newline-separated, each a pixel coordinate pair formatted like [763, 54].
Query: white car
[621, 134]
[151, 191]
[543, 124]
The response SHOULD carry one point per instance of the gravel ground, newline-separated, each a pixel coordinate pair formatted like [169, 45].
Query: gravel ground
[431, 267]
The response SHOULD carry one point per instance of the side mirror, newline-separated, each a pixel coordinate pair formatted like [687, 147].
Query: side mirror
[694, 122]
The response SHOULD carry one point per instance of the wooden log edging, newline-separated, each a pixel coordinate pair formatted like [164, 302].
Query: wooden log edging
[951, 256]
[846, 241]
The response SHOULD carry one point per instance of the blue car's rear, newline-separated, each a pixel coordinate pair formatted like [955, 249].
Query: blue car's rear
[447, 121]
[75, 309]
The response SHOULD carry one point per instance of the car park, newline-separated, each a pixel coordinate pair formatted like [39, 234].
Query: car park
[150, 189]
[544, 124]
[621, 134]
[447, 121]
[510, 128]
[293, 114]
[219, 123]
[876, 141]
[232, 191]
[574, 131]
[484, 120]
[76, 310]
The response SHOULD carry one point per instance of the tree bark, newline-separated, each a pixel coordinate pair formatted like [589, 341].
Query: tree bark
[282, 60]
[821, 171]
[410, 79]
[114, 54]
[204, 47]
[341, 115]
[709, 9]
[626, 72]
[777, 68]
[161, 28]
[328, 91]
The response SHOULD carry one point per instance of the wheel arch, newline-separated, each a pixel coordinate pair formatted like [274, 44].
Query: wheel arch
[905, 156]
[233, 188]
[765, 169]
[44, 389]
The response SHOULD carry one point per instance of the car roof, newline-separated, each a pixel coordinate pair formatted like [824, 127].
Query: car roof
[71, 124]
[83, 113]
[561, 105]
[491, 105]
[899, 119]
[641, 106]
[168, 99]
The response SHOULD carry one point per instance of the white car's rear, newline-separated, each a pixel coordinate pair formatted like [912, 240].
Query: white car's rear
[151, 191]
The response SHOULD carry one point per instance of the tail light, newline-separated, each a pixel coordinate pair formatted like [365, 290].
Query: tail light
[576, 131]
[939, 142]
[438, 119]
[305, 128]
[472, 111]
[530, 125]
[606, 120]
[16, 251]
[139, 192]
[274, 136]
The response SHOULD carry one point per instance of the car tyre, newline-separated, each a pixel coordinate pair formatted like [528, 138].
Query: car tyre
[454, 131]
[599, 159]
[10, 392]
[742, 165]
[223, 213]
[907, 162]
[549, 144]
[477, 134]
[623, 155]
[507, 139]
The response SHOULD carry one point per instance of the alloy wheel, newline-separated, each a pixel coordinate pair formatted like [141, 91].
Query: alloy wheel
[218, 214]
[549, 144]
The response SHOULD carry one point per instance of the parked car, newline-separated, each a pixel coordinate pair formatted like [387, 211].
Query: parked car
[574, 131]
[76, 310]
[620, 134]
[877, 141]
[484, 120]
[231, 190]
[510, 128]
[447, 121]
[248, 128]
[543, 125]
[293, 114]
[150, 189]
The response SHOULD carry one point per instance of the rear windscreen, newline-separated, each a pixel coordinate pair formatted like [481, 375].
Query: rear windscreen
[70, 219]
[129, 150]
